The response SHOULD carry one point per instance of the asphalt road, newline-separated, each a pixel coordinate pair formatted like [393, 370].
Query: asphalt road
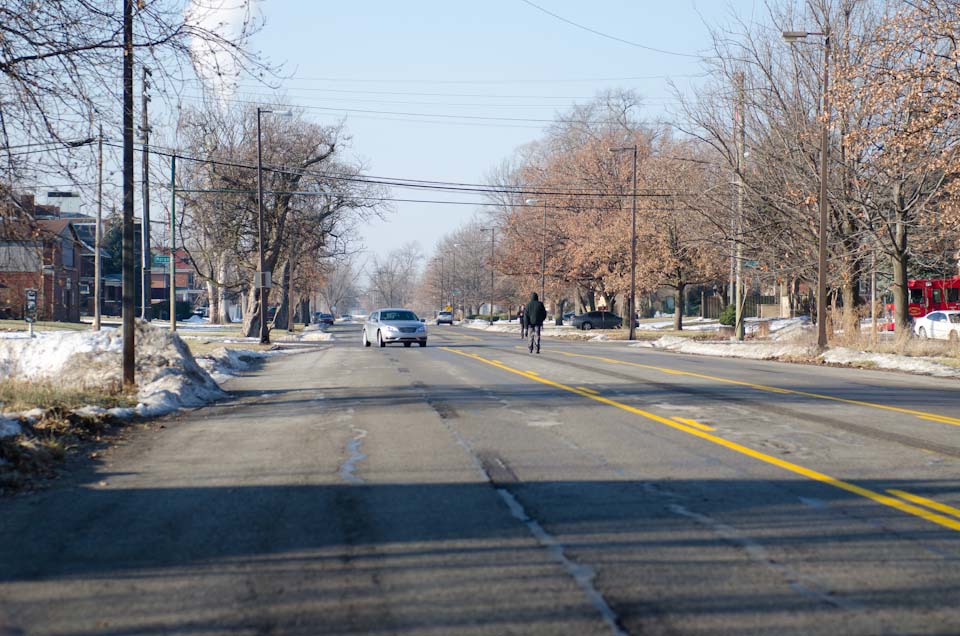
[471, 488]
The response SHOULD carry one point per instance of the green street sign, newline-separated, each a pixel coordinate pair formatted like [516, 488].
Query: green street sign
[160, 260]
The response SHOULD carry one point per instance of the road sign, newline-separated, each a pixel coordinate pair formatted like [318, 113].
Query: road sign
[30, 305]
[160, 260]
[262, 280]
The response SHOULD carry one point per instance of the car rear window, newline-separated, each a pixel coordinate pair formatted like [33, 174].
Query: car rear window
[398, 315]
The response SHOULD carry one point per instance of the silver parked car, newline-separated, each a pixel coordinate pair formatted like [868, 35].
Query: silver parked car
[394, 325]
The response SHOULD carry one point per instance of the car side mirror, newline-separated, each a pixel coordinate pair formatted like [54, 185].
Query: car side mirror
[423, 320]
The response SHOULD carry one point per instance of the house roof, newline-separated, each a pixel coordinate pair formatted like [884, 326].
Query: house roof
[59, 227]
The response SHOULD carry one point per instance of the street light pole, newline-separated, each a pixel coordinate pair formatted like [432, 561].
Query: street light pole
[261, 284]
[800, 36]
[263, 281]
[633, 245]
[493, 233]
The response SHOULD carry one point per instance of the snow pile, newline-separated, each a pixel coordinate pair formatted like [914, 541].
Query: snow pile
[313, 333]
[732, 348]
[168, 376]
[224, 363]
[924, 366]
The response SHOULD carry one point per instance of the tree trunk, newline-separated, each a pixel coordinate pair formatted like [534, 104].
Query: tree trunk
[251, 316]
[679, 300]
[851, 305]
[223, 302]
[901, 298]
[213, 296]
[305, 310]
[282, 318]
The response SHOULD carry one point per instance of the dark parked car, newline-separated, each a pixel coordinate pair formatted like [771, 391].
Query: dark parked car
[323, 319]
[597, 320]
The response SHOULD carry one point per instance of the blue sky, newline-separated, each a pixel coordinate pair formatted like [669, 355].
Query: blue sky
[499, 58]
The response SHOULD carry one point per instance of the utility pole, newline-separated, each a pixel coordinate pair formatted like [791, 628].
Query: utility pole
[824, 155]
[98, 237]
[146, 310]
[633, 246]
[873, 297]
[173, 243]
[129, 275]
[740, 294]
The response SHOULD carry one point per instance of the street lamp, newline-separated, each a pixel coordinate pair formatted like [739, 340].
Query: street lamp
[453, 281]
[262, 281]
[801, 36]
[493, 233]
[543, 246]
[633, 243]
[440, 258]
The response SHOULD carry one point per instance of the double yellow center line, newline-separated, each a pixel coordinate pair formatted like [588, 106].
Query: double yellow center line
[933, 417]
[927, 509]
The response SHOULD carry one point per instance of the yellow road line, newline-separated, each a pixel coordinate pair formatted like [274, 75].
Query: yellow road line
[591, 391]
[468, 337]
[943, 419]
[880, 498]
[923, 501]
[694, 423]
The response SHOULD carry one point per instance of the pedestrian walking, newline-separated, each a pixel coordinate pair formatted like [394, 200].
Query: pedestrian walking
[523, 322]
[534, 315]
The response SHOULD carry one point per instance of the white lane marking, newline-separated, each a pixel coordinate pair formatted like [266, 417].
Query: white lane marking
[802, 584]
[348, 469]
[582, 574]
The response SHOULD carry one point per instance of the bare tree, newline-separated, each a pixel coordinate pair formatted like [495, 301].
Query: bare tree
[394, 278]
[310, 197]
[60, 60]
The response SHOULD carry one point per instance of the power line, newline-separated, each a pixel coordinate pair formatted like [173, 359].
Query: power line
[517, 190]
[608, 36]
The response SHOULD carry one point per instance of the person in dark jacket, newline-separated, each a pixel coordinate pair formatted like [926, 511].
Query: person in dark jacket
[534, 315]
[521, 318]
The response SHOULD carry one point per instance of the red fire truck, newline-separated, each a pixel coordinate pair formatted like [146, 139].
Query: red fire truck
[926, 295]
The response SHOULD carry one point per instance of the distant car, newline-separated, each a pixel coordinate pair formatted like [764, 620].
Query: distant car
[942, 325]
[597, 320]
[444, 317]
[323, 319]
[390, 325]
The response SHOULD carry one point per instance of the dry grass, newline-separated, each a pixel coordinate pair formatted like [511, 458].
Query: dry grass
[21, 395]
[945, 351]
[20, 325]
[199, 347]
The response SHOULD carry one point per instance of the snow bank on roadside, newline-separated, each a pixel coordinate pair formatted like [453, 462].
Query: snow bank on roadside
[783, 350]
[168, 376]
[925, 366]
[730, 348]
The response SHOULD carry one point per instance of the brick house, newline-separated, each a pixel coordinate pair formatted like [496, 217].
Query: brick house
[42, 255]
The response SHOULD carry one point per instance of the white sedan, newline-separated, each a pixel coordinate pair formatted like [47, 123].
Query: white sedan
[944, 325]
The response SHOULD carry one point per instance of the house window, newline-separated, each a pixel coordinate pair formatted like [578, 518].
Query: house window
[68, 253]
